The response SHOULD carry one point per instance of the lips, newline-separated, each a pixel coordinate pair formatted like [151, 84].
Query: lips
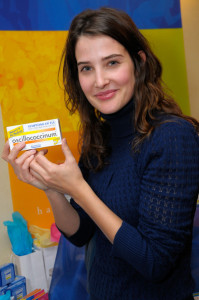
[106, 94]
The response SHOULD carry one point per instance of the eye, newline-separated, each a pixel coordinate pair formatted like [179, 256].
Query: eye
[113, 62]
[85, 69]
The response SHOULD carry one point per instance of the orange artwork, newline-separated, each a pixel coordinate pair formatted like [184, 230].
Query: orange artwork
[30, 92]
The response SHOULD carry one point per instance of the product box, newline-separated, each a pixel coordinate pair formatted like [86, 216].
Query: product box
[39, 294]
[35, 135]
[18, 288]
[7, 274]
[18, 279]
[31, 294]
[3, 290]
[44, 297]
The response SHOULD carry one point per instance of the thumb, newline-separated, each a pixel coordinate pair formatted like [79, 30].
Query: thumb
[66, 149]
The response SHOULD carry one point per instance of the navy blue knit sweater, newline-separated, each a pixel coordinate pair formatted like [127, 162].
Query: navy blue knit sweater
[154, 192]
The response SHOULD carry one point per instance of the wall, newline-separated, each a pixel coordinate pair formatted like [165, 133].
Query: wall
[5, 203]
[190, 20]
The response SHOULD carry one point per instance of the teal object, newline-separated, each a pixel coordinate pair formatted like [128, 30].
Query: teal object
[20, 238]
[6, 296]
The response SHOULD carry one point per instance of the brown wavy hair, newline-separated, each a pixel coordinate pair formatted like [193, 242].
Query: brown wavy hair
[150, 98]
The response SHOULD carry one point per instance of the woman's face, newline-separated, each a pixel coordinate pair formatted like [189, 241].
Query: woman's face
[106, 72]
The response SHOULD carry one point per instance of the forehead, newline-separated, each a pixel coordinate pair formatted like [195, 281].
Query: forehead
[100, 45]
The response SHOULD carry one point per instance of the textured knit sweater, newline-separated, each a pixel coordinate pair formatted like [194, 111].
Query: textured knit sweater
[154, 192]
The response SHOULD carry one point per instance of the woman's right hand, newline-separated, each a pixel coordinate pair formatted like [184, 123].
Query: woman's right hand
[21, 164]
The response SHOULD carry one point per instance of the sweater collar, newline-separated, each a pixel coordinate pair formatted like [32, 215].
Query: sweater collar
[121, 122]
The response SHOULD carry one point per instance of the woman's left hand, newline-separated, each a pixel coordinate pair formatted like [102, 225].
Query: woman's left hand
[64, 178]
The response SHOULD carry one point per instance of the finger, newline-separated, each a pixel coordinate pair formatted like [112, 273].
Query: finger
[43, 152]
[6, 151]
[35, 174]
[42, 161]
[27, 161]
[38, 172]
[66, 150]
[30, 176]
[38, 165]
[22, 158]
[15, 151]
[25, 174]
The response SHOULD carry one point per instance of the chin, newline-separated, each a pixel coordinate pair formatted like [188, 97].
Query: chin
[109, 109]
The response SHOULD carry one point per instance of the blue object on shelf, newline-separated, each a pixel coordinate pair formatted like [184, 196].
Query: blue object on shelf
[18, 287]
[7, 274]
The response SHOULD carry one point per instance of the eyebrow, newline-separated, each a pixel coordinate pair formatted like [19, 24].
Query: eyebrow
[104, 58]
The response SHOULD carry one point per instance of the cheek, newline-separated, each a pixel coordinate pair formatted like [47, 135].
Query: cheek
[128, 82]
[126, 77]
[85, 85]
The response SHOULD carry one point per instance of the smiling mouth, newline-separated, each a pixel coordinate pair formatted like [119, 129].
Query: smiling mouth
[106, 94]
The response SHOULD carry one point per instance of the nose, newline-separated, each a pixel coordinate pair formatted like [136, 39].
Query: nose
[101, 79]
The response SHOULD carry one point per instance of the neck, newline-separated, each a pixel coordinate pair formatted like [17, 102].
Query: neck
[121, 122]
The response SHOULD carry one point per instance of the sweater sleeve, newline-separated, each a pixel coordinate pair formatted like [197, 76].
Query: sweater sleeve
[168, 166]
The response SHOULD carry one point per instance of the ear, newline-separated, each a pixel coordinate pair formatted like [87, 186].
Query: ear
[142, 55]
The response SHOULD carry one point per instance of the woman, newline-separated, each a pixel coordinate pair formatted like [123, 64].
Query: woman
[135, 189]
